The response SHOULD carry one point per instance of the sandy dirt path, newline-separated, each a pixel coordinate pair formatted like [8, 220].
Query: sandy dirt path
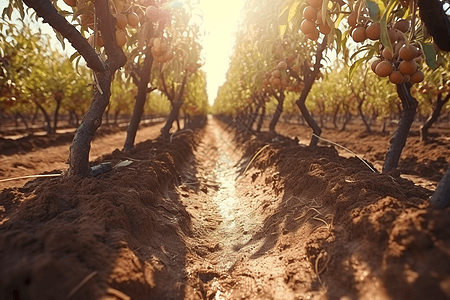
[233, 255]
[54, 157]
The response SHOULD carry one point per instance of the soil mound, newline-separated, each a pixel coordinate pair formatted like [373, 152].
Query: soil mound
[91, 238]
[363, 234]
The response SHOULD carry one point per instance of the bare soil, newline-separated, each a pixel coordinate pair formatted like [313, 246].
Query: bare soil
[218, 215]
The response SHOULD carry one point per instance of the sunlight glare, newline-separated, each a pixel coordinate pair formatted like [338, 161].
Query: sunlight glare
[221, 20]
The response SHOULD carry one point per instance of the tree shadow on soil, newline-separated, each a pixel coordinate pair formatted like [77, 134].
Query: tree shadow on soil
[118, 234]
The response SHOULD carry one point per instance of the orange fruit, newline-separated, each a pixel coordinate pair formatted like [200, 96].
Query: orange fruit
[408, 52]
[407, 67]
[276, 82]
[121, 21]
[290, 58]
[314, 35]
[373, 31]
[352, 19]
[324, 28]
[168, 56]
[392, 35]
[384, 69]
[265, 82]
[396, 77]
[417, 76]
[307, 27]
[402, 25]
[282, 65]
[310, 13]
[375, 64]
[153, 13]
[315, 3]
[387, 54]
[398, 46]
[133, 19]
[359, 34]
[121, 37]
[276, 73]
[267, 74]
[72, 3]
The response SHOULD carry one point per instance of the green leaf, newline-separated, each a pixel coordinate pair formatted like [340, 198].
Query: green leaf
[375, 8]
[73, 56]
[430, 55]
[355, 66]
[384, 37]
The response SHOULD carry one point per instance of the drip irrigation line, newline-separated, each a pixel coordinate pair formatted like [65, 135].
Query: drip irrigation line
[30, 176]
[346, 149]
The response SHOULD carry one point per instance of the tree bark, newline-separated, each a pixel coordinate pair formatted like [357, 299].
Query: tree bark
[81, 144]
[141, 97]
[310, 77]
[363, 117]
[278, 112]
[48, 126]
[261, 116]
[440, 102]
[398, 141]
[58, 99]
[441, 196]
[174, 112]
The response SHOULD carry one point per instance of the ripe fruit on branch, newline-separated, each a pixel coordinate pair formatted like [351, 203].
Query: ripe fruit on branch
[121, 37]
[359, 34]
[387, 54]
[375, 64]
[153, 13]
[307, 27]
[324, 28]
[408, 52]
[314, 35]
[72, 3]
[121, 21]
[393, 37]
[384, 69]
[402, 25]
[276, 73]
[315, 3]
[310, 13]
[282, 65]
[373, 31]
[396, 77]
[352, 19]
[417, 77]
[407, 67]
[133, 19]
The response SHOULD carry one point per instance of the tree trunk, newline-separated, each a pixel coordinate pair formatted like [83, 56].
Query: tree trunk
[58, 100]
[363, 117]
[48, 122]
[398, 141]
[261, 116]
[441, 197]
[310, 77]
[141, 97]
[173, 115]
[278, 112]
[81, 144]
[336, 111]
[434, 116]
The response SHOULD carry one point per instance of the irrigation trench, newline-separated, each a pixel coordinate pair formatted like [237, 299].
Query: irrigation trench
[226, 261]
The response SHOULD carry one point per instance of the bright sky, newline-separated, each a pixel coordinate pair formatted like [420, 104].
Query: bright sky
[221, 20]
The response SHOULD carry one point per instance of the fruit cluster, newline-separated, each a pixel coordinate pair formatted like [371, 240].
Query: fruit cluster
[280, 78]
[125, 14]
[161, 52]
[313, 22]
[401, 64]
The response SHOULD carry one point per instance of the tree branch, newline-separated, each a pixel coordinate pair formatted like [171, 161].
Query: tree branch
[48, 12]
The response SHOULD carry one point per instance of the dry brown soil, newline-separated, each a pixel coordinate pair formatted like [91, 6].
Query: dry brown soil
[217, 215]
